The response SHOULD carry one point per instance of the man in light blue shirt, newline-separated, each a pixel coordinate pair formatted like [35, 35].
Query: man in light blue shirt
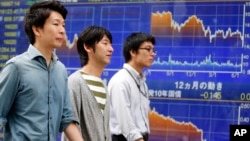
[129, 103]
[34, 99]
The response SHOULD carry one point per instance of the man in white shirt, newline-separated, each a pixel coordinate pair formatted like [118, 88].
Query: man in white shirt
[129, 102]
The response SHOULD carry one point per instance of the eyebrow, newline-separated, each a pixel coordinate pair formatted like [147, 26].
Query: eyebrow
[58, 20]
[149, 46]
[105, 39]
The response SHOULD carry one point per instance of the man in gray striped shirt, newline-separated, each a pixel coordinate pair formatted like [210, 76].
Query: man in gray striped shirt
[87, 91]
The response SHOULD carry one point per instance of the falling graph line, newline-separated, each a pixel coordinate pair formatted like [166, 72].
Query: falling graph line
[162, 24]
[215, 47]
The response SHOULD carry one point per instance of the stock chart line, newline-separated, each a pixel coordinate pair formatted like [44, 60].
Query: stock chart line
[205, 44]
[206, 64]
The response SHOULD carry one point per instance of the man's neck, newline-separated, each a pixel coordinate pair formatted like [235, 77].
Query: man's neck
[92, 70]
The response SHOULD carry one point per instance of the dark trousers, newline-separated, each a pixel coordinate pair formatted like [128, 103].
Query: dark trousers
[122, 138]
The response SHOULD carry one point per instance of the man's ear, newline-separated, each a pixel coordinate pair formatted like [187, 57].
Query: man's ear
[36, 30]
[87, 48]
[132, 53]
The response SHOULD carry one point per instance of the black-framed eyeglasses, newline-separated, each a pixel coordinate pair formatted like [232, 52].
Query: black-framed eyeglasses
[149, 50]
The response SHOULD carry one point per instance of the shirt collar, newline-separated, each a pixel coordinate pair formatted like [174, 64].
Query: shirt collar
[134, 72]
[34, 52]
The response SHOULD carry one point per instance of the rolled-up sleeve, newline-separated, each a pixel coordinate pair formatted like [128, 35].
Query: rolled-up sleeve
[68, 116]
[8, 88]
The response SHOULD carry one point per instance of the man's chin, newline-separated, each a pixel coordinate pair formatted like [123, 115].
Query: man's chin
[60, 45]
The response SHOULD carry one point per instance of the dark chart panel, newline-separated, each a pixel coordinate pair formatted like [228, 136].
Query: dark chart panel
[200, 79]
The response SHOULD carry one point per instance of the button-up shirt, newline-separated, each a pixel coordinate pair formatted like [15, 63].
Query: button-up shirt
[34, 99]
[129, 104]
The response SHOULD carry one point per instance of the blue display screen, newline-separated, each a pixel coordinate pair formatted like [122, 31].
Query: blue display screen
[199, 83]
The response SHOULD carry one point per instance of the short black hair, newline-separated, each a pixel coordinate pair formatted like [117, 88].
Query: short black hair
[133, 42]
[38, 13]
[89, 37]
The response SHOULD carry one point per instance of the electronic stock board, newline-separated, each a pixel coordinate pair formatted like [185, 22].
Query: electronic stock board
[199, 82]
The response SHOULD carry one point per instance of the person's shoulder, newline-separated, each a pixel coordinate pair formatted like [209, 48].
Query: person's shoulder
[19, 59]
[119, 76]
[121, 73]
[76, 80]
[75, 76]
